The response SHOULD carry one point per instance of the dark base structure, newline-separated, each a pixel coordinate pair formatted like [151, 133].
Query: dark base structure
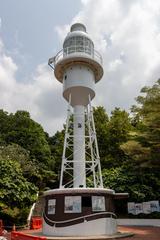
[80, 212]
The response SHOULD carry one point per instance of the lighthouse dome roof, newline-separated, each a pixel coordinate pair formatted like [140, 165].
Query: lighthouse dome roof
[77, 34]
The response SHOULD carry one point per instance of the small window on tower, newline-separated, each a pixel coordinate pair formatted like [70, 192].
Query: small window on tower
[65, 77]
[79, 125]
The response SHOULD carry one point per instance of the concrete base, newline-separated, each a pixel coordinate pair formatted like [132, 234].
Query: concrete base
[91, 219]
[98, 227]
[93, 237]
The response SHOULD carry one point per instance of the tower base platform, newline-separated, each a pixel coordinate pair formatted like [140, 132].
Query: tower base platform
[97, 227]
[79, 212]
[31, 234]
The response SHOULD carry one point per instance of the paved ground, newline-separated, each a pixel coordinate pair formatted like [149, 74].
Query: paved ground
[140, 233]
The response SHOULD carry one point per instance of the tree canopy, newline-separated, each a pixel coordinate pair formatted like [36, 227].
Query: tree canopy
[129, 146]
[16, 192]
[146, 119]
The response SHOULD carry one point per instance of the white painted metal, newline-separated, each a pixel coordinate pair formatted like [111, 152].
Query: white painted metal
[79, 82]
[78, 48]
[79, 147]
[80, 154]
[102, 226]
[95, 158]
[79, 38]
[78, 27]
[73, 191]
[63, 165]
[78, 66]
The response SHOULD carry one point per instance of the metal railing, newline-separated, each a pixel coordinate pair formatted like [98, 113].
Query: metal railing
[72, 51]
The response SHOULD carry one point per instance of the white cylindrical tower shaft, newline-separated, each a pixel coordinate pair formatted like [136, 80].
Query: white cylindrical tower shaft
[79, 83]
[79, 147]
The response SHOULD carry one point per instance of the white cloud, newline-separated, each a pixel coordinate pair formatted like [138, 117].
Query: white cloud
[41, 96]
[126, 33]
[113, 66]
[62, 31]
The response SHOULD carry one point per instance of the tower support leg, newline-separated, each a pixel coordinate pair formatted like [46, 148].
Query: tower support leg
[79, 173]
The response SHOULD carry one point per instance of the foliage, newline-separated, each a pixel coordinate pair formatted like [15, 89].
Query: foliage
[129, 148]
[101, 122]
[15, 191]
[25, 163]
[56, 145]
[21, 155]
[136, 152]
[141, 185]
[111, 133]
[28, 134]
[17, 216]
[20, 129]
[146, 119]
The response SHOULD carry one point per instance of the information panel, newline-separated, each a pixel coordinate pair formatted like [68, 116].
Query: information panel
[51, 206]
[72, 204]
[98, 203]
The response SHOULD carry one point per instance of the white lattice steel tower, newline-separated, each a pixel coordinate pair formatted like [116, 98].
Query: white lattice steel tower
[80, 206]
[78, 66]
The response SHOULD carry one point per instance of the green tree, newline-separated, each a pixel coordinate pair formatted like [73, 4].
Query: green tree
[4, 126]
[119, 127]
[18, 154]
[111, 133]
[28, 134]
[20, 129]
[16, 192]
[141, 185]
[142, 149]
[101, 124]
[146, 118]
[56, 143]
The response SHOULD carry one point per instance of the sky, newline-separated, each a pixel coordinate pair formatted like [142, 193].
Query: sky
[125, 32]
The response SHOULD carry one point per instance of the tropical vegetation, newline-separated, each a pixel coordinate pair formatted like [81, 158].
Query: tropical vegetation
[129, 146]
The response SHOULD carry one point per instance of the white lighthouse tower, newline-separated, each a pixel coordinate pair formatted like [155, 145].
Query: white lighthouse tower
[78, 66]
[80, 206]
